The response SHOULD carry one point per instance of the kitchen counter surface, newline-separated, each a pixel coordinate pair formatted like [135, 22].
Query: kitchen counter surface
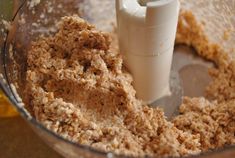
[17, 140]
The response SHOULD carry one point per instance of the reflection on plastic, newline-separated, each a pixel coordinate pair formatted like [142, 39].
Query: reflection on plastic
[6, 110]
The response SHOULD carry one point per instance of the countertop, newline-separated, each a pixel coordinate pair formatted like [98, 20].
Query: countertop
[17, 140]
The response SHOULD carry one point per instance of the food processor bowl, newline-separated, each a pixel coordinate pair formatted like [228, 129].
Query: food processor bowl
[26, 20]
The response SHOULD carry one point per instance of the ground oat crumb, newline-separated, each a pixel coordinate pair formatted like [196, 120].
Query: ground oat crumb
[227, 34]
[33, 3]
[7, 24]
[79, 89]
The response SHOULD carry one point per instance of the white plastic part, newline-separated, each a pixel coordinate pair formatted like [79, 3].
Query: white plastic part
[146, 38]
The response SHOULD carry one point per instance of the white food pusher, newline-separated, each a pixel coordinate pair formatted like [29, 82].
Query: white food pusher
[147, 30]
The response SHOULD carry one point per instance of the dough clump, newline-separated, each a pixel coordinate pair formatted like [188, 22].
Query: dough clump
[79, 89]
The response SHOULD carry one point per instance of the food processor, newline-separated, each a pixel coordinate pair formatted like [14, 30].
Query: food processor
[26, 20]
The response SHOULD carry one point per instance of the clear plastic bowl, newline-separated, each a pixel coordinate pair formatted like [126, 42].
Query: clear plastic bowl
[27, 24]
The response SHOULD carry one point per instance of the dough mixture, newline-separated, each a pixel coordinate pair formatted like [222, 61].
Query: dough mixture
[80, 90]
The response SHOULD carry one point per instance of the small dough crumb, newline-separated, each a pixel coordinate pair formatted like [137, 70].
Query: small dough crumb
[33, 3]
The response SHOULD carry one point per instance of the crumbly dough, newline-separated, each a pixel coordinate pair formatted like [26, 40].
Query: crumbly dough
[190, 32]
[79, 89]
